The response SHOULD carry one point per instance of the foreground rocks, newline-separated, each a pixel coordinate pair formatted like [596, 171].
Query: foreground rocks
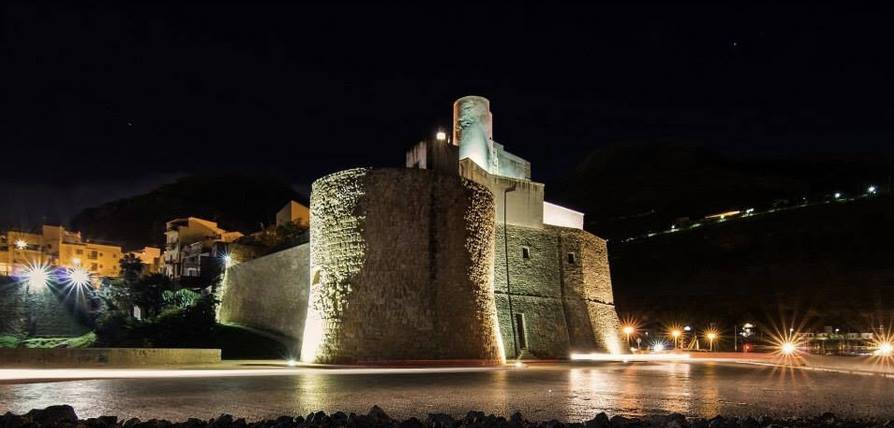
[64, 416]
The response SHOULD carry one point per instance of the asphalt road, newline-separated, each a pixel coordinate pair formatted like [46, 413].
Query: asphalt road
[569, 393]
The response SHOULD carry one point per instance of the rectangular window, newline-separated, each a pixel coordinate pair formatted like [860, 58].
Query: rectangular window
[93, 267]
[521, 331]
[92, 255]
[571, 258]
[526, 253]
[79, 251]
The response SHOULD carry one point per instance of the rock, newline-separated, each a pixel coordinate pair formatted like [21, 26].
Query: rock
[378, 414]
[318, 419]
[698, 423]
[828, 418]
[411, 423]
[53, 415]
[191, 423]
[620, 421]
[361, 421]
[517, 420]
[553, 424]
[130, 423]
[440, 420]
[599, 421]
[473, 418]
[222, 421]
[9, 420]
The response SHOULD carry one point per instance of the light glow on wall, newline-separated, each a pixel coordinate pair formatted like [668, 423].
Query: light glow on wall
[313, 335]
[557, 215]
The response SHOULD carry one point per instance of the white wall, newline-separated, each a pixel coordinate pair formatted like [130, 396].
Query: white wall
[560, 216]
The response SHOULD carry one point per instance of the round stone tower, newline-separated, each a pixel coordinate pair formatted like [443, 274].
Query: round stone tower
[401, 264]
[473, 129]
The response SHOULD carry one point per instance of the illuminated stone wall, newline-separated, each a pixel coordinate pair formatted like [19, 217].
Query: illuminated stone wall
[42, 313]
[401, 265]
[269, 293]
[14, 312]
[566, 304]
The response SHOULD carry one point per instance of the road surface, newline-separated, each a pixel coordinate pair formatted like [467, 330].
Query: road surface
[564, 392]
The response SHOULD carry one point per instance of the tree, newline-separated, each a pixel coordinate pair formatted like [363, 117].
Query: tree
[131, 267]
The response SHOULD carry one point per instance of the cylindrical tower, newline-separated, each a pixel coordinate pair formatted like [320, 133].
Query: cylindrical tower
[473, 129]
[401, 268]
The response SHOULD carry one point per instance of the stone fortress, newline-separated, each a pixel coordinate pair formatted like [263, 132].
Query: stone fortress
[456, 257]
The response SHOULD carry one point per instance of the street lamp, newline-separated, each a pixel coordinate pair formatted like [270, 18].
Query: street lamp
[628, 330]
[21, 244]
[712, 336]
[676, 335]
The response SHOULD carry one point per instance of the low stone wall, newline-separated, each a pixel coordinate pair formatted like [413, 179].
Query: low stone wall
[106, 357]
[269, 294]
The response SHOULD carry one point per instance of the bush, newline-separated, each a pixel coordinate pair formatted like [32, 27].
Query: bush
[9, 341]
[181, 299]
[84, 341]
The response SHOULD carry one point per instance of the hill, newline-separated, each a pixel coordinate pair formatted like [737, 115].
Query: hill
[630, 189]
[236, 202]
[829, 262]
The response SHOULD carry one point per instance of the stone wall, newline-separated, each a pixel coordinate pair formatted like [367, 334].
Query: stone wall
[269, 294]
[50, 312]
[14, 313]
[566, 301]
[401, 265]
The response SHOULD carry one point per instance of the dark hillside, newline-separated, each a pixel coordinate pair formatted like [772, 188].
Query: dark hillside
[832, 262]
[631, 189]
[236, 202]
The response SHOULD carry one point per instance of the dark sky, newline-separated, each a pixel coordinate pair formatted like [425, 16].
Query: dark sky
[111, 99]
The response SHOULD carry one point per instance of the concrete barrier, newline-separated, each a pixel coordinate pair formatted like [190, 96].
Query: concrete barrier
[106, 357]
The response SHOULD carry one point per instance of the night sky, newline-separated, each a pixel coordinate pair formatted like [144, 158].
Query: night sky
[108, 100]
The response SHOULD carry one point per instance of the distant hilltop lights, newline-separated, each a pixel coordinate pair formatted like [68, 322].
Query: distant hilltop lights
[777, 206]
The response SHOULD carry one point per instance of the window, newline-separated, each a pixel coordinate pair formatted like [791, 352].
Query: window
[526, 253]
[92, 255]
[572, 259]
[79, 251]
[93, 267]
[521, 331]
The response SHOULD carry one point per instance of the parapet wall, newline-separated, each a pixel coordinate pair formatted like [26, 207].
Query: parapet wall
[401, 265]
[269, 294]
